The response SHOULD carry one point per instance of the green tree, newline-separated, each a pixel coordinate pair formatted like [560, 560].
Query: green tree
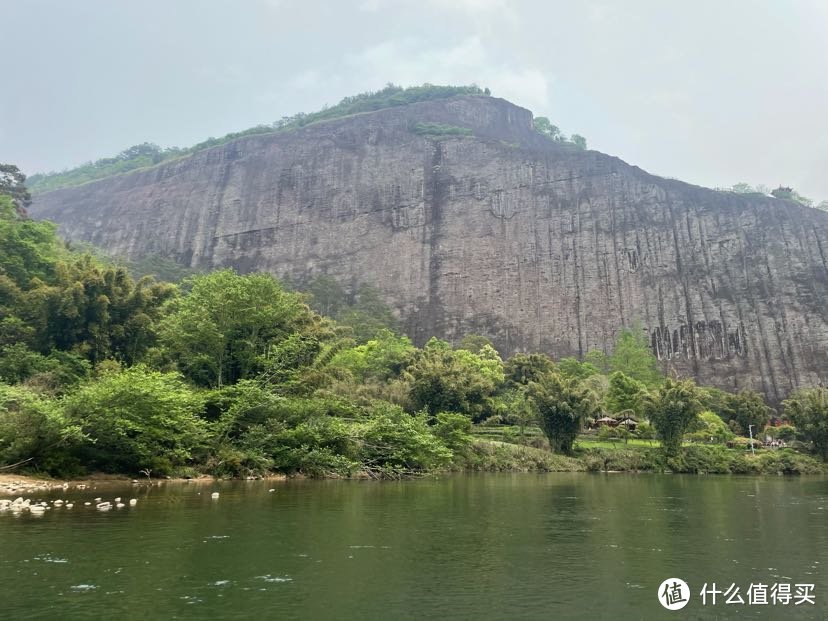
[572, 367]
[672, 408]
[625, 394]
[28, 249]
[545, 127]
[222, 330]
[475, 343]
[748, 409]
[441, 379]
[562, 405]
[13, 185]
[367, 315]
[633, 357]
[599, 360]
[579, 141]
[327, 296]
[521, 369]
[807, 409]
[380, 359]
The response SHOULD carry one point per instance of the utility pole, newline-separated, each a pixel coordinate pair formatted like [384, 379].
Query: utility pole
[750, 432]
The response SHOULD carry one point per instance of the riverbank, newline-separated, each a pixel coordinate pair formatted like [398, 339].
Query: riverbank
[484, 455]
[492, 456]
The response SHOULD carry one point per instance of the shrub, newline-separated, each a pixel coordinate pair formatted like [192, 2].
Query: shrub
[138, 419]
[394, 442]
[437, 129]
[808, 410]
[34, 431]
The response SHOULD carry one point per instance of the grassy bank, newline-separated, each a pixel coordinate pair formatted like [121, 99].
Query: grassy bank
[529, 453]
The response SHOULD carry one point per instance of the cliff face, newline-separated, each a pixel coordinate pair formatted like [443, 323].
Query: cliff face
[504, 233]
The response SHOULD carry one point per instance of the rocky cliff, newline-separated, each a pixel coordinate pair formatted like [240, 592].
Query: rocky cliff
[538, 245]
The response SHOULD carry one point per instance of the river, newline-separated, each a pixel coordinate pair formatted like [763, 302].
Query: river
[494, 546]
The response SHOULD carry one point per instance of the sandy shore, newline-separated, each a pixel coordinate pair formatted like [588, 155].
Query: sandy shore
[22, 485]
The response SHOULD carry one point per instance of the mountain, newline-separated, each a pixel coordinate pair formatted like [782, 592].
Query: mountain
[467, 220]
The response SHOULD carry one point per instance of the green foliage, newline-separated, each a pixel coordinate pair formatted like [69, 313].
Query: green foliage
[672, 408]
[438, 129]
[34, 430]
[147, 154]
[160, 268]
[562, 405]
[91, 353]
[808, 411]
[782, 432]
[138, 419]
[522, 369]
[393, 442]
[545, 128]
[51, 298]
[221, 331]
[380, 359]
[748, 190]
[96, 310]
[790, 194]
[367, 315]
[488, 456]
[709, 428]
[453, 430]
[327, 296]
[644, 431]
[748, 409]
[633, 357]
[132, 158]
[53, 373]
[441, 379]
[625, 394]
[475, 343]
[599, 360]
[574, 368]
[13, 185]
[29, 250]
[364, 312]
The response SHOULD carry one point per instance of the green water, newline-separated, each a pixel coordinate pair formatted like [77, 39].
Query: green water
[523, 546]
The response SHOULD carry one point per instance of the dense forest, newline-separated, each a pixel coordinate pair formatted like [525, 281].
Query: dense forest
[243, 375]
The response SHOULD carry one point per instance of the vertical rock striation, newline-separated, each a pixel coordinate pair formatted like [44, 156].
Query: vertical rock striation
[535, 244]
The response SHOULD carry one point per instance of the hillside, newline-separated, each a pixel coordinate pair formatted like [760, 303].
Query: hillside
[468, 221]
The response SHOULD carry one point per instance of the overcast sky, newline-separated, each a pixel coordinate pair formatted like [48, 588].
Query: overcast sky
[709, 91]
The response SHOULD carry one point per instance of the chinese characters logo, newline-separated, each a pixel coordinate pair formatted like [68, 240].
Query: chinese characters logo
[674, 594]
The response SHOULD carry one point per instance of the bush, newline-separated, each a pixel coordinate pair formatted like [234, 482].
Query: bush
[138, 419]
[808, 410]
[453, 430]
[394, 442]
[437, 129]
[35, 432]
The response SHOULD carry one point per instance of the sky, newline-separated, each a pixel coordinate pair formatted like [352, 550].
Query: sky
[713, 92]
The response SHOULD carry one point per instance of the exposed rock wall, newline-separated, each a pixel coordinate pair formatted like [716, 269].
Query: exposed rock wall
[534, 244]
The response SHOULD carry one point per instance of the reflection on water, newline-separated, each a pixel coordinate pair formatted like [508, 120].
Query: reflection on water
[519, 546]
